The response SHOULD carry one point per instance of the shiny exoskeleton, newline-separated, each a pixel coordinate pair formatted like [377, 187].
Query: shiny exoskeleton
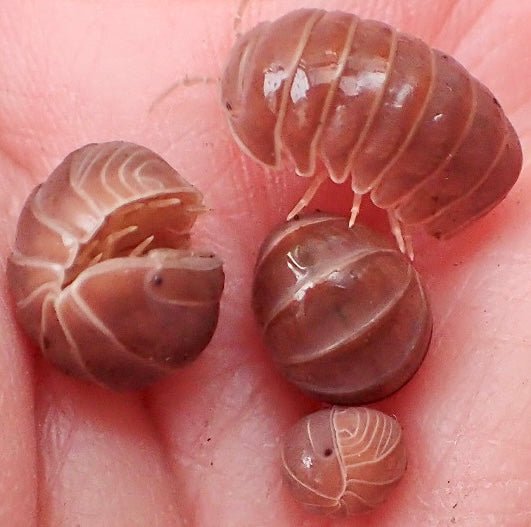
[102, 274]
[407, 123]
[343, 312]
[343, 460]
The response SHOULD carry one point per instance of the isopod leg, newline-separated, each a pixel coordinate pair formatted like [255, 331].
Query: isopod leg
[354, 209]
[110, 243]
[309, 194]
[403, 239]
[141, 247]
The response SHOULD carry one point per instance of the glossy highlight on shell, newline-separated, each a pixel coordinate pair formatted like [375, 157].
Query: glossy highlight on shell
[406, 123]
[102, 273]
[343, 312]
[343, 461]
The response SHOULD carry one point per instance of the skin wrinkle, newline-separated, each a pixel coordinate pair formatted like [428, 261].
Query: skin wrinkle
[447, 14]
[471, 25]
[459, 425]
[13, 159]
[466, 493]
[231, 372]
[51, 427]
[221, 433]
[97, 448]
[458, 295]
[219, 439]
[243, 183]
[240, 12]
[180, 488]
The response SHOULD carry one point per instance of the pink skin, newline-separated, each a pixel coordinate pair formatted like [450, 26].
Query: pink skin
[201, 448]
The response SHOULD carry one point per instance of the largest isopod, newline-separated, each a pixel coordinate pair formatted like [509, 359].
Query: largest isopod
[407, 123]
[102, 274]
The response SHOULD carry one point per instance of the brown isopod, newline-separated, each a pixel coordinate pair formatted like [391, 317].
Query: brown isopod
[343, 460]
[102, 273]
[343, 312]
[406, 122]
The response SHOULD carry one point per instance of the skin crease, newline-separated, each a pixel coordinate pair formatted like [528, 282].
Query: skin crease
[201, 448]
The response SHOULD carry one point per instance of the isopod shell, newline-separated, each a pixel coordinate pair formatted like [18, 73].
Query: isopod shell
[102, 274]
[343, 313]
[407, 123]
[343, 461]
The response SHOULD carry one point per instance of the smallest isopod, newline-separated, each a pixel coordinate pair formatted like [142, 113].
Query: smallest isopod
[343, 460]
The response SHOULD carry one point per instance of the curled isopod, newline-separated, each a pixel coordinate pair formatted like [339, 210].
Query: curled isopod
[405, 122]
[343, 460]
[102, 273]
[343, 312]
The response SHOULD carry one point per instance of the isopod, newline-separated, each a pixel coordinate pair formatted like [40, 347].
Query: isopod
[343, 460]
[343, 313]
[405, 122]
[102, 273]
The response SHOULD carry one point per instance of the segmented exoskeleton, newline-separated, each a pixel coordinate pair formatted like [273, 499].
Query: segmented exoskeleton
[344, 460]
[407, 123]
[102, 274]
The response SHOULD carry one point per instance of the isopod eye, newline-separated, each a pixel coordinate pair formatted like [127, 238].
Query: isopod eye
[102, 273]
[157, 279]
[356, 475]
[343, 313]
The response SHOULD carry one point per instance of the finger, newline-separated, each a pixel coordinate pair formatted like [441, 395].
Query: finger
[100, 461]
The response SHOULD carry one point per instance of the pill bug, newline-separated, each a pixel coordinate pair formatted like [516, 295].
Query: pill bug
[406, 122]
[102, 274]
[343, 312]
[343, 460]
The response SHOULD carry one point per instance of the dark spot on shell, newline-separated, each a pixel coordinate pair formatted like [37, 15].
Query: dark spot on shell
[327, 452]
[157, 279]
[228, 105]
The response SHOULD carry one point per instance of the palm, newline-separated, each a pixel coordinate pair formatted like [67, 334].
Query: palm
[201, 447]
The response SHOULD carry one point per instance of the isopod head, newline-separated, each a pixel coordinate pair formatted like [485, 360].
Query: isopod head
[343, 313]
[102, 273]
[343, 460]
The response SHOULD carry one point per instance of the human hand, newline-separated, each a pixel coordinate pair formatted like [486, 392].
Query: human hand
[201, 447]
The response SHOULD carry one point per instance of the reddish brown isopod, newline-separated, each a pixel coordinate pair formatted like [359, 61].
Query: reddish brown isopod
[343, 312]
[343, 460]
[102, 274]
[406, 122]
